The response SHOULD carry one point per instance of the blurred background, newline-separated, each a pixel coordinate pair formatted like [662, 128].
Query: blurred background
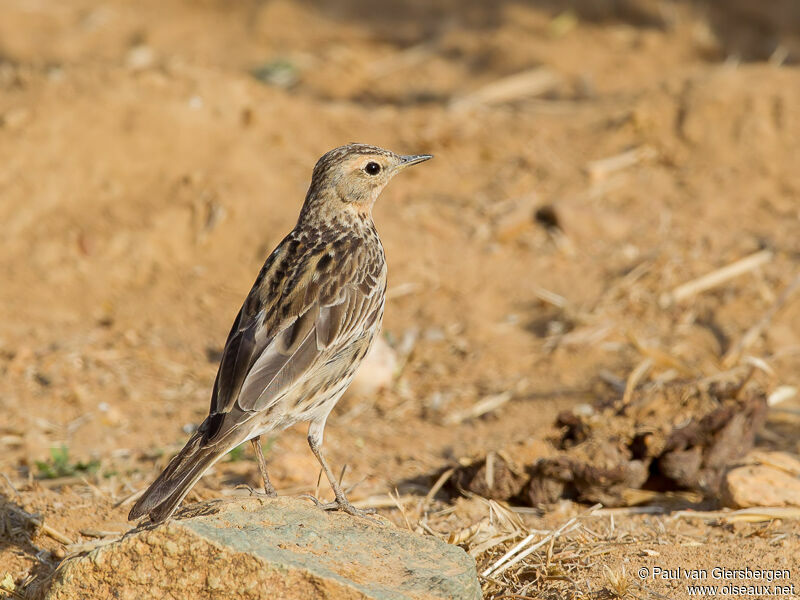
[592, 157]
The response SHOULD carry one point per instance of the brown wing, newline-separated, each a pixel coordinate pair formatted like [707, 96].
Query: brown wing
[307, 305]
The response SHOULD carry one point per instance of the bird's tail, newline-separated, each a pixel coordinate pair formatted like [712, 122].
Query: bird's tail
[165, 494]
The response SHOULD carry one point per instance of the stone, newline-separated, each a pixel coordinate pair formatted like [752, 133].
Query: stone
[778, 460]
[376, 371]
[282, 549]
[760, 485]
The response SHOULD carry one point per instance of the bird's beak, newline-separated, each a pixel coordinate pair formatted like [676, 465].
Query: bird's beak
[407, 161]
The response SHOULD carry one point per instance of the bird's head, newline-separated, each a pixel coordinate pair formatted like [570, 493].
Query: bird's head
[350, 178]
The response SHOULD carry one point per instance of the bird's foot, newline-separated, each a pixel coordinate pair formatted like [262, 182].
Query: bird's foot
[344, 505]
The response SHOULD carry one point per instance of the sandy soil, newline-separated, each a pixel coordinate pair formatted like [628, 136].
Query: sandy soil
[153, 153]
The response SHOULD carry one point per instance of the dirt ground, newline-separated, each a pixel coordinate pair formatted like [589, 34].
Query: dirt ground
[152, 153]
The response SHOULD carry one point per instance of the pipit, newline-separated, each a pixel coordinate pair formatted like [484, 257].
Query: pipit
[304, 328]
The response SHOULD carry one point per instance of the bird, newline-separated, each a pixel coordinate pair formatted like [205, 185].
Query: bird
[309, 319]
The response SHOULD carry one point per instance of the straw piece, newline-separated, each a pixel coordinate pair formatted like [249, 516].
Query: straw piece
[715, 278]
[781, 394]
[661, 358]
[99, 533]
[506, 561]
[437, 486]
[550, 297]
[502, 560]
[384, 501]
[752, 334]
[129, 499]
[37, 522]
[634, 378]
[476, 551]
[403, 289]
[55, 534]
[567, 527]
[751, 515]
[480, 408]
[527, 84]
[602, 168]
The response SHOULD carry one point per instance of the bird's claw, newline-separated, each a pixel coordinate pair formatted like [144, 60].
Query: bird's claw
[256, 493]
[312, 498]
[342, 504]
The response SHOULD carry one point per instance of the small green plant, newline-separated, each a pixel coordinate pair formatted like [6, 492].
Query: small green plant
[239, 453]
[59, 465]
[280, 72]
[236, 454]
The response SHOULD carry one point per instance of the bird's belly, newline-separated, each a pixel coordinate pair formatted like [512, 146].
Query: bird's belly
[314, 396]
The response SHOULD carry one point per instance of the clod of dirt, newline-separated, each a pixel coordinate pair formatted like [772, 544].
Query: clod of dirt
[495, 478]
[683, 435]
[599, 471]
[282, 548]
[678, 436]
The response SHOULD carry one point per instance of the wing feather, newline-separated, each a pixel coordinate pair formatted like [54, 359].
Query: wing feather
[235, 363]
[275, 344]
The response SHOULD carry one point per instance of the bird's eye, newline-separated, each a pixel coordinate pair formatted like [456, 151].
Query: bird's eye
[372, 168]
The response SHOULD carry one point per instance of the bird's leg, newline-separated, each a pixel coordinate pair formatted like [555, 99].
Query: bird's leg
[341, 502]
[269, 489]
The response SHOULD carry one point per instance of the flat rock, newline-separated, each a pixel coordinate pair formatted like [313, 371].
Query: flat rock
[282, 549]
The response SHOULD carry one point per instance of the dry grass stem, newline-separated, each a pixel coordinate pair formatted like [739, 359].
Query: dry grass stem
[781, 394]
[479, 549]
[462, 536]
[516, 554]
[585, 336]
[602, 168]
[98, 533]
[81, 547]
[399, 505]
[489, 474]
[715, 278]
[480, 408]
[130, 498]
[402, 289]
[58, 482]
[443, 478]
[661, 358]
[748, 515]
[751, 335]
[55, 534]
[519, 86]
[498, 527]
[550, 297]
[635, 378]
[385, 501]
[36, 523]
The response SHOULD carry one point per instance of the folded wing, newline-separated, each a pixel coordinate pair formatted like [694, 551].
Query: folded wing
[313, 314]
